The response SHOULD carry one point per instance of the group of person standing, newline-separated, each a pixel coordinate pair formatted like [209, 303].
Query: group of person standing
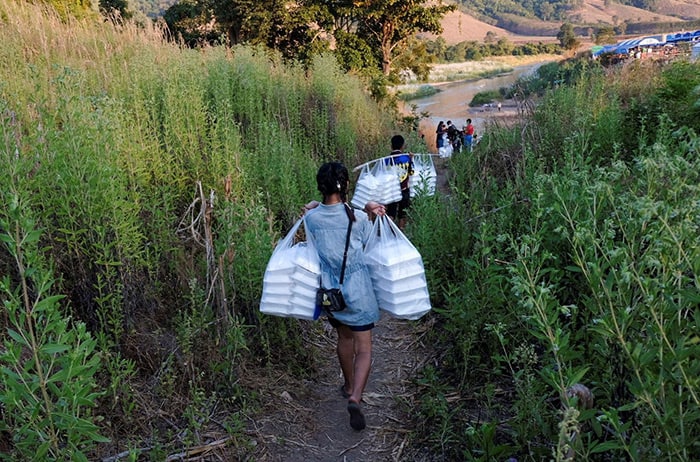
[449, 136]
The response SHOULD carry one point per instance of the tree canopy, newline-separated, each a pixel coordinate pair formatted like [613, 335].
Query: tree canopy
[364, 34]
[567, 37]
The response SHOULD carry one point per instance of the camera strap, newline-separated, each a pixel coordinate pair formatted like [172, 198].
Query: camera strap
[345, 253]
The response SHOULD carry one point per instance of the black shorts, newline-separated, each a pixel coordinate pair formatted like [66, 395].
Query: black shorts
[335, 323]
[398, 209]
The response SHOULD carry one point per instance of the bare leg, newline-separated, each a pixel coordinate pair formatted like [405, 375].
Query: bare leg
[346, 356]
[363, 361]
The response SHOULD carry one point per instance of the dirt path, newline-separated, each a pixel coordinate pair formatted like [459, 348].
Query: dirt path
[310, 423]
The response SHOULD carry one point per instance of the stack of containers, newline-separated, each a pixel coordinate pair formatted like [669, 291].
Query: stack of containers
[389, 186]
[291, 279]
[397, 272]
[424, 178]
[366, 188]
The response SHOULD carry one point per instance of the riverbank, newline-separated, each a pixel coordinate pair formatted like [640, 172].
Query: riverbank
[444, 73]
[481, 118]
[450, 100]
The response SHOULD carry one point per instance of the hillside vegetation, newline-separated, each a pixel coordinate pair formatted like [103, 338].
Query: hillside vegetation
[565, 275]
[145, 186]
[515, 20]
[143, 190]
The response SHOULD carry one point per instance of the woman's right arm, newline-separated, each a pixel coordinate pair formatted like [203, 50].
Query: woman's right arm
[374, 209]
[309, 206]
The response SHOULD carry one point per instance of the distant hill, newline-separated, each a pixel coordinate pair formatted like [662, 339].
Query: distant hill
[463, 25]
[668, 15]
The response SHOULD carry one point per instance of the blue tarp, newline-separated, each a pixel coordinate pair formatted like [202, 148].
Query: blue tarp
[682, 36]
[626, 45]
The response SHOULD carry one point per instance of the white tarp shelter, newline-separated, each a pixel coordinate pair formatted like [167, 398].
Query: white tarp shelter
[695, 52]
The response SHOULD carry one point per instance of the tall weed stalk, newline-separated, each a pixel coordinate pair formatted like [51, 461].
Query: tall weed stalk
[49, 361]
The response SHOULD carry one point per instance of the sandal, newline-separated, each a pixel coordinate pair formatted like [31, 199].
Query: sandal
[357, 418]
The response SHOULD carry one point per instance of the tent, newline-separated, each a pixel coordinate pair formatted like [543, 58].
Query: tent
[599, 50]
[683, 36]
[627, 45]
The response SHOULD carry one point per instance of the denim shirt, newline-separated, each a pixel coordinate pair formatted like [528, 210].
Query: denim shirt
[327, 227]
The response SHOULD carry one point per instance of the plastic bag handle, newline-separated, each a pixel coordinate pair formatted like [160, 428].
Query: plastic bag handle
[288, 240]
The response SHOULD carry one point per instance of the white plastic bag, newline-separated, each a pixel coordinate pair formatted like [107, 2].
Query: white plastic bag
[389, 185]
[446, 150]
[397, 272]
[424, 178]
[291, 279]
[366, 188]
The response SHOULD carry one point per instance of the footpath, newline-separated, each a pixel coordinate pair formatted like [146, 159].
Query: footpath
[308, 421]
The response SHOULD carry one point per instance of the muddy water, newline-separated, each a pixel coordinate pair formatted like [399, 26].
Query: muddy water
[452, 101]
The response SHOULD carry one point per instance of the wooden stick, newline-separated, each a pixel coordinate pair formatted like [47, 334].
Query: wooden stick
[392, 155]
[198, 450]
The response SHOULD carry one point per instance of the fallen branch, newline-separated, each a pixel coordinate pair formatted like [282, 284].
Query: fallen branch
[123, 454]
[351, 447]
[199, 450]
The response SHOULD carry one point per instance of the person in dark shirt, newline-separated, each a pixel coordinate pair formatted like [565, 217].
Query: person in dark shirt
[404, 163]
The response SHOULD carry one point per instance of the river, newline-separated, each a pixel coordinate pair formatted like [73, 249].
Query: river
[452, 102]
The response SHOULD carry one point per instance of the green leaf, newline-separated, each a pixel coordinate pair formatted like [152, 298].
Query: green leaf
[628, 407]
[54, 348]
[576, 378]
[605, 446]
[17, 337]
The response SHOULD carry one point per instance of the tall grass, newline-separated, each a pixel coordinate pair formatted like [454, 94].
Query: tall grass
[578, 270]
[160, 179]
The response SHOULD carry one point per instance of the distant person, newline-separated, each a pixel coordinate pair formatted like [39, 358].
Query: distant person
[404, 163]
[439, 138]
[452, 133]
[499, 106]
[468, 134]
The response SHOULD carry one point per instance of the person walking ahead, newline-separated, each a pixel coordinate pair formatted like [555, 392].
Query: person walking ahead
[327, 223]
[404, 163]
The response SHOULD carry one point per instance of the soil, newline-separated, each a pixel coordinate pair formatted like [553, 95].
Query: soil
[308, 421]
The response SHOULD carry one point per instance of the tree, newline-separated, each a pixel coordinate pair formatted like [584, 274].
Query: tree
[490, 37]
[567, 37]
[389, 24]
[414, 56]
[71, 8]
[606, 34]
[116, 9]
[188, 21]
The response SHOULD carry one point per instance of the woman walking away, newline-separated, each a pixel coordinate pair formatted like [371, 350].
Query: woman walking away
[327, 223]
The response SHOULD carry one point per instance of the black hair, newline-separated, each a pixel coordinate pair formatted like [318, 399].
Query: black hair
[397, 142]
[333, 177]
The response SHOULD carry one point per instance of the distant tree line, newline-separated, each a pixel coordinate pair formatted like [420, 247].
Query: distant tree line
[546, 10]
[473, 50]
